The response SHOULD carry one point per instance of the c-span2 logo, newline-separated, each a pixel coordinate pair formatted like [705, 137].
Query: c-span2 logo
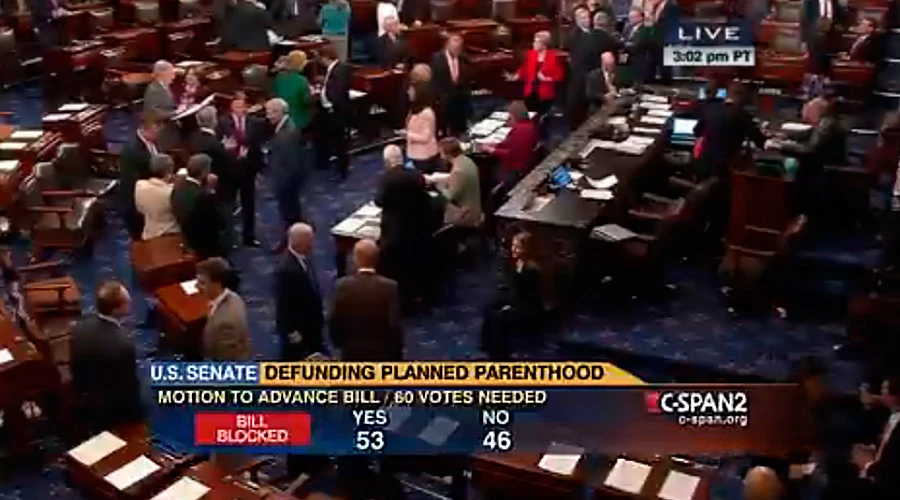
[700, 408]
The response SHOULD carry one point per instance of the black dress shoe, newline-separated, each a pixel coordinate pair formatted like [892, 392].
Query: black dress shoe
[252, 243]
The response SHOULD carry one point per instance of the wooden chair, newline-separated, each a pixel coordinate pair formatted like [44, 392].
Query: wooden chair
[74, 169]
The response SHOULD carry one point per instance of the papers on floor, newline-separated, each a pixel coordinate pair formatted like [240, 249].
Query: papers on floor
[679, 486]
[604, 183]
[12, 146]
[73, 107]
[596, 194]
[189, 287]
[5, 356]
[438, 431]
[57, 117]
[654, 98]
[132, 473]
[660, 112]
[795, 127]
[628, 475]
[26, 135]
[183, 489]
[96, 448]
[8, 165]
[612, 232]
[561, 458]
[193, 109]
[369, 210]
[653, 120]
[486, 127]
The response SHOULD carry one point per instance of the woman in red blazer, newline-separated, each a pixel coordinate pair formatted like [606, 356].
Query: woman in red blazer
[541, 73]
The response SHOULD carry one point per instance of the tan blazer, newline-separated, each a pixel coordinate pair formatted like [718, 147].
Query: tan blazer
[226, 336]
[153, 199]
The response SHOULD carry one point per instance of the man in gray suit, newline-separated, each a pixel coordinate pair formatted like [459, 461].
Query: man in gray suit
[159, 100]
[284, 159]
[226, 336]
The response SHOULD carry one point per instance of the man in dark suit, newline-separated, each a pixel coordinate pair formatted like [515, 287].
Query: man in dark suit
[365, 316]
[205, 140]
[723, 128]
[158, 99]
[391, 49]
[293, 17]
[202, 223]
[866, 46]
[637, 41]
[285, 164]
[451, 80]
[298, 298]
[247, 26]
[405, 225]
[45, 15]
[584, 57]
[242, 136]
[336, 113]
[104, 362]
[134, 164]
[879, 464]
[603, 83]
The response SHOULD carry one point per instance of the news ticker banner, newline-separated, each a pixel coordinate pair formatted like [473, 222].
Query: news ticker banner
[339, 408]
[709, 44]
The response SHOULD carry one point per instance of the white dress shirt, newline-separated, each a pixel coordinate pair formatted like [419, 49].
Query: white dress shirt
[153, 199]
[217, 301]
[325, 102]
[825, 9]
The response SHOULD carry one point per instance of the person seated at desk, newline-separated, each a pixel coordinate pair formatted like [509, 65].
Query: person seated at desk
[461, 187]
[451, 82]
[516, 152]
[421, 130]
[405, 225]
[865, 47]
[194, 205]
[191, 90]
[292, 86]
[153, 198]
[518, 307]
[541, 72]
[247, 27]
[391, 49]
[602, 84]
[384, 10]
[104, 363]
[827, 144]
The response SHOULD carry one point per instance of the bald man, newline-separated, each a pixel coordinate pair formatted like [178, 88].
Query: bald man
[761, 483]
[365, 316]
[298, 298]
[104, 362]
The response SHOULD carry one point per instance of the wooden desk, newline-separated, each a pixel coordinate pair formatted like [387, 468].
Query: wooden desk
[381, 85]
[162, 261]
[853, 73]
[74, 25]
[479, 33]
[40, 149]
[79, 124]
[91, 479]
[236, 61]
[364, 223]
[786, 70]
[769, 29]
[423, 41]
[363, 16]
[138, 42]
[517, 475]
[183, 318]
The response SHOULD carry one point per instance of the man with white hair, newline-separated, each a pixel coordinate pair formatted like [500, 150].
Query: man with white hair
[393, 156]
[158, 99]
[286, 167]
[298, 298]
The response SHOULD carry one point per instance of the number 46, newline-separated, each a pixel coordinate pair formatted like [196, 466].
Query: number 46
[497, 440]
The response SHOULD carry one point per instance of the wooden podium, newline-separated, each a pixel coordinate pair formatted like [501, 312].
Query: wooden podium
[162, 261]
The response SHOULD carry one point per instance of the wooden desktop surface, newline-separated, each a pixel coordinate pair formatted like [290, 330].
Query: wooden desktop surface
[183, 318]
[162, 261]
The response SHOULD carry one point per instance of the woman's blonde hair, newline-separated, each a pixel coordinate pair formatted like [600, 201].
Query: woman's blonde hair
[545, 37]
[295, 60]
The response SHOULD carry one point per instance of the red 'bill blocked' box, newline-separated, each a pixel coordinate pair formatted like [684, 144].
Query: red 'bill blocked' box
[252, 429]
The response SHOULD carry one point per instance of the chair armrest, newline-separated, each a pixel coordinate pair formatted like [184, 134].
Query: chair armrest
[639, 214]
[40, 266]
[49, 210]
[657, 198]
[750, 251]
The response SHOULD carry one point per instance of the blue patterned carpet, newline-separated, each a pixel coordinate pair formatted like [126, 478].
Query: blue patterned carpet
[655, 340]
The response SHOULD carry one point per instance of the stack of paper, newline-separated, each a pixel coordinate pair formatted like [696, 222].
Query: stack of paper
[561, 458]
[26, 135]
[8, 165]
[132, 473]
[73, 107]
[499, 115]
[5, 356]
[438, 431]
[612, 232]
[183, 489]
[795, 127]
[627, 475]
[370, 230]
[498, 136]
[597, 194]
[369, 210]
[679, 486]
[96, 448]
[57, 117]
[356, 94]
[653, 120]
[189, 287]
[654, 98]
[618, 120]
[350, 225]
[664, 113]
[589, 148]
[12, 146]
[486, 127]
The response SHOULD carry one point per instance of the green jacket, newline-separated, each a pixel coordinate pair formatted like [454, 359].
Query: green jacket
[294, 89]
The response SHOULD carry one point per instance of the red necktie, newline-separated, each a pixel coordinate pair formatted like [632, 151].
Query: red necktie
[239, 129]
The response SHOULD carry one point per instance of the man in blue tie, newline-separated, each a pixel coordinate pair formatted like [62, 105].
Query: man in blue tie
[298, 298]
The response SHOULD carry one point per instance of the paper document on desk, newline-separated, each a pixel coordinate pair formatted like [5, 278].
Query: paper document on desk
[654, 98]
[654, 106]
[356, 94]
[132, 473]
[589, 148]
[73, 107]
[193, 109]
[654, 120]
[561, 458]
[628, 475]
[604, 183]
[189, 287]
[438, 431]
[5, 356]
[618, 120]
[188, 64]
[350, 225]
[8, 165]
[370, 230]
[646, 130]
[499, 115]
[96, 448]
[57, 117]
[184, 489]
[679, 486]
[596, 194]
[660, 112]
[369, 210]
[12, 146]
[612, 232]
[26, 135]
[486, 127]
[795, 127]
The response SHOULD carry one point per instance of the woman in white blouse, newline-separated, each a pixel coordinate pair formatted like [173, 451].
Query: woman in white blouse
[153, 199]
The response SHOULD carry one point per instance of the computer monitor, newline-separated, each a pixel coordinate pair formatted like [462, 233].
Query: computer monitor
[683, 127]
[560, 177]
[720, 93]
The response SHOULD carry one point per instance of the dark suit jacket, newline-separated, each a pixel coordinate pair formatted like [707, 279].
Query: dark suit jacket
[442, 81]
[584, 54]
[337, 89]
[298, 303]
[365, 318]
[724, 127]
[201, 221]
[202, 141]
[865, 49]
[389, 52]
[254, 134]
[415, 10]
[41, 10]
[159, 99]
[892, 16]
[596, 87]
[134, 164]
[104, 372]
[246, 27]
[405, 205]
[607, 42]
[285, 158]
[827, 145]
